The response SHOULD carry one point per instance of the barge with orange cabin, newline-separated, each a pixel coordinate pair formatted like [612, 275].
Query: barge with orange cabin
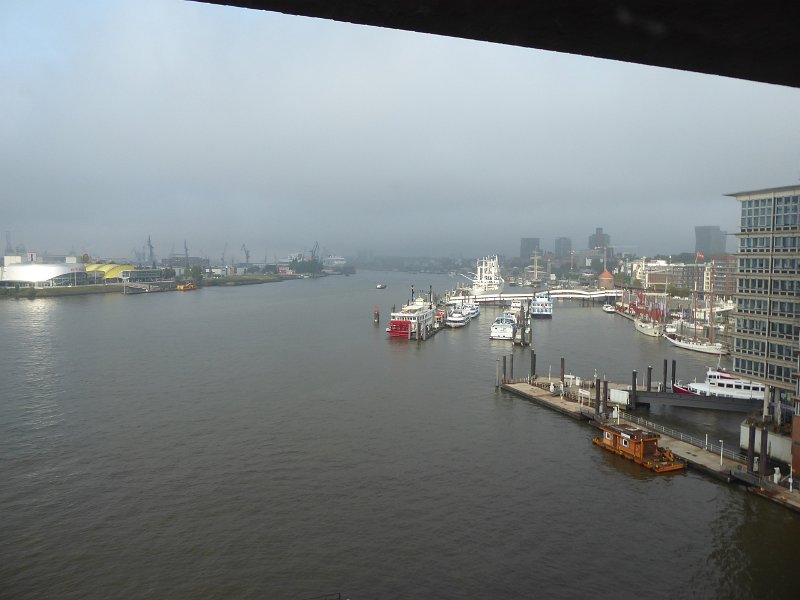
[639, 445]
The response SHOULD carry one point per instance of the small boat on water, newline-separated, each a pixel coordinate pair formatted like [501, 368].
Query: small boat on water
[647, 328]
[381, 286]
[723, 384]
[639, 445]
[703, 346]
[186, 286]
[609, 308]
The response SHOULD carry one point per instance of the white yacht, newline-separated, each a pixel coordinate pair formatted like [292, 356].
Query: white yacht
[456, 318]
[471, 309]
[503, 328]
[609, 308]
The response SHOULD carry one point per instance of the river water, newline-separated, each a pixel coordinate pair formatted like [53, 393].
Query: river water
[270, 442]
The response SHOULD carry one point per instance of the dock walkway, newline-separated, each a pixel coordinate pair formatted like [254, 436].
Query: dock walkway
[729, 467]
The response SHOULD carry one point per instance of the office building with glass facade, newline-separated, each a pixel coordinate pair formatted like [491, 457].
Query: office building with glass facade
[767, 294]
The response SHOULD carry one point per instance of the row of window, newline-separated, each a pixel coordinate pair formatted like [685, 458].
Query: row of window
[759, 213]
[765, 264]
[746, 366]
[787, 212]
[785, 308]
[780, 373]
[777, 287]
[780, 351]
[765, 243]
[755, 347]
[752, 326]
[759, 306]
[789, 331]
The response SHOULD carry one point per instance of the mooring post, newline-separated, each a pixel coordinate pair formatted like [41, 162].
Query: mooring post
[634, 376]
[605, 396]
[665, 376]
[533, 363]
[511, 366]
[597, 397]
[497, 373]
[649, 378]
[751, 448]
[562, 369]
[674, 368]
[504, 369]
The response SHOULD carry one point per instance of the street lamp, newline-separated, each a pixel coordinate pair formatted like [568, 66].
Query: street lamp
[721, 446]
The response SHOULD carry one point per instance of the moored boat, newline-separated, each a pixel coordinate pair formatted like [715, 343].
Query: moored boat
[639, 445]
[542, 306]
[471, 310]
[381, 286]
[723, 384]
[414, 320]
[609, 308]
[186, 286]
[503, 328]
[703, 346]
[647, 328]
[456, 318]
[487, 279]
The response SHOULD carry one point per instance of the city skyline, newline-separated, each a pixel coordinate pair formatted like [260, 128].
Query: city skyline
[357, 137]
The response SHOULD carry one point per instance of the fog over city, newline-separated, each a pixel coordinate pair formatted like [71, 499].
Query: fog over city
[218, 125]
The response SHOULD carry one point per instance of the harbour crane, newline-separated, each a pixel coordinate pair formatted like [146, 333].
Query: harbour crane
[246, 255]
[151, 256]
[222, 258]
[315, 251]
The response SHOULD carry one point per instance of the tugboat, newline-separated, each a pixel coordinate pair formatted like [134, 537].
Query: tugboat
[638, 445]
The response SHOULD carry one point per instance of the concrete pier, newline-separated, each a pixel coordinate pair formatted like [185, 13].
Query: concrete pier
[713, 461]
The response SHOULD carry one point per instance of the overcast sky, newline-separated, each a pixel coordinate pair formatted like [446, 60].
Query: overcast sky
[222, 125]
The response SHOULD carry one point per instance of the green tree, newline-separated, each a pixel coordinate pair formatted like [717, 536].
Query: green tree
[168, 273]
[196, 273]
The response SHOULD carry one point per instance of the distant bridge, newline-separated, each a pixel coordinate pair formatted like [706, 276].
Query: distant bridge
[575, 294]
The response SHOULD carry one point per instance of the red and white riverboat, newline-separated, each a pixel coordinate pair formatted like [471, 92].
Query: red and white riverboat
[414, 320]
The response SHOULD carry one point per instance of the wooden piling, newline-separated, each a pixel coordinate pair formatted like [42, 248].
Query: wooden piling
[632, 399]
[649, 382]
[562, 369]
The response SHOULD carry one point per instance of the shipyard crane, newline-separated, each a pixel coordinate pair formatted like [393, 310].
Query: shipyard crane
[222, 258]
[246, 255]
[186, 253]
[151, 256]
[315, 251]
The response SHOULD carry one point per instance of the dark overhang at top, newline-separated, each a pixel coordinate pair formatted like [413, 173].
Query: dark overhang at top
[759, 41]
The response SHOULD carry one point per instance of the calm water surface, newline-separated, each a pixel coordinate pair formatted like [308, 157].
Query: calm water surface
[270, 442]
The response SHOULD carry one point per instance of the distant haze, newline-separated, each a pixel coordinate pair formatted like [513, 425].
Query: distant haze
[222, 125]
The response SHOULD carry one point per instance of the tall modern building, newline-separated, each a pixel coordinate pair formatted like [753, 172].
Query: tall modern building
[527, 247]
[768, 291]
[710, 240]
[563, 247]
[599, 239]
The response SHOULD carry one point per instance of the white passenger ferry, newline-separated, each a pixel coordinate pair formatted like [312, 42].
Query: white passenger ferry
[723, 384]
